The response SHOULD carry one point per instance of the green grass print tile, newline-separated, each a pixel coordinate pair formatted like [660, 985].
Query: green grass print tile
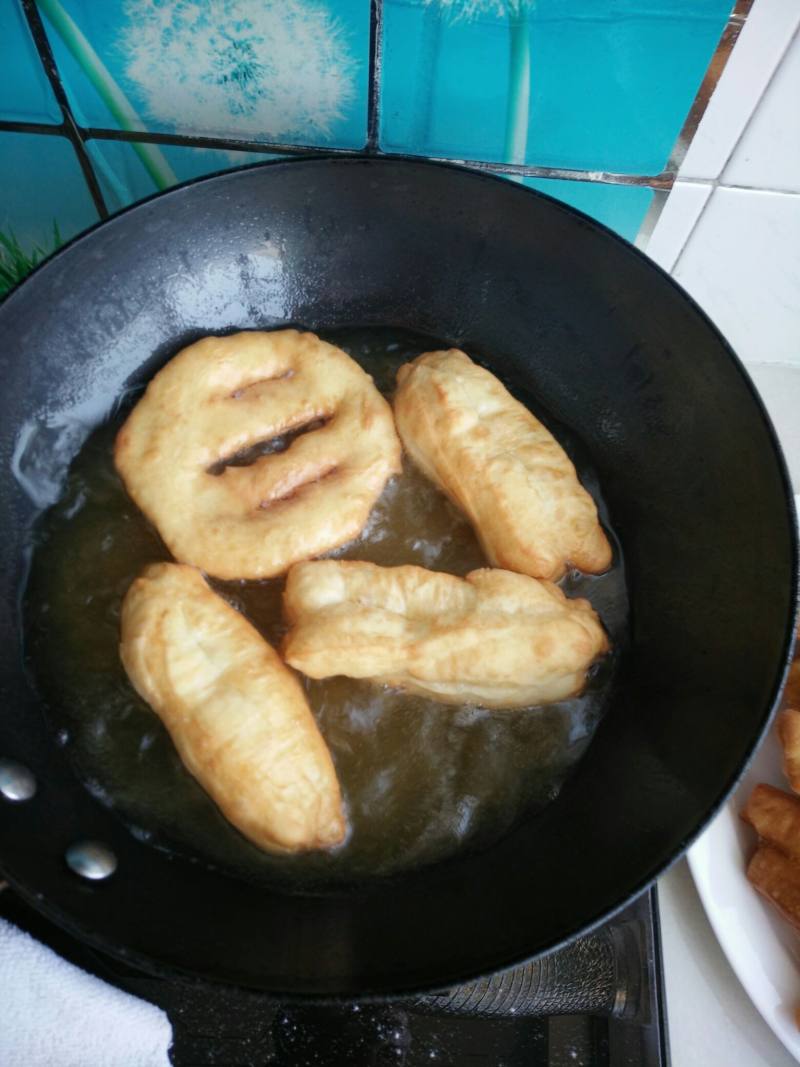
[43, 200]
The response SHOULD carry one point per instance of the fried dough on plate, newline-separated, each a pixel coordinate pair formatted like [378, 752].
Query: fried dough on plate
[791, 692]
[237, 715]
[494, 638]
[788, 723]
[180, 452]
[789, 737]
[775, 815]
[500, 465]
[777, 877]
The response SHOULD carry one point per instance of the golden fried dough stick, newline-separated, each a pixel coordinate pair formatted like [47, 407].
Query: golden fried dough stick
[789, 736]
[778, 878]
[791, 692]
[500, 465]
[238, 716]
[775, 815]
[788, 722]
[224, 395]
[496, 638]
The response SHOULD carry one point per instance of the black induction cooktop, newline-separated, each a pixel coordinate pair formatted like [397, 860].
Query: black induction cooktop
[598, 1002]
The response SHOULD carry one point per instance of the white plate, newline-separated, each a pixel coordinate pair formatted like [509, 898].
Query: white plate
[762, 948]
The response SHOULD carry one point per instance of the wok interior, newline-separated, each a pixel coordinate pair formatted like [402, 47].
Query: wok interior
[694, 484]
[420, 780]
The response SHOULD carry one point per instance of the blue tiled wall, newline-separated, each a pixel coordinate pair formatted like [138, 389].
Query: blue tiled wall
[620, 207]
[611, 81]
[42, 189]
[586, 85]
[124, 179]
[25, 93]
[290, 70]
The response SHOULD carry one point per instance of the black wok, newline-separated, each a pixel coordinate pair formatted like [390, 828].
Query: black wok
[690, 469]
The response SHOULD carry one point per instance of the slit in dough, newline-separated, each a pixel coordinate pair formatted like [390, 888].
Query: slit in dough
[180, 451]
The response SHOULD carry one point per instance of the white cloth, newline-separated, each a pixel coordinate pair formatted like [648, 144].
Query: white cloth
[53, 1014]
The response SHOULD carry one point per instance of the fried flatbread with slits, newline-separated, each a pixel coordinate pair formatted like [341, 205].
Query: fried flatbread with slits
[500, 465]
[223, 396]
[493, 638]
[237, 715]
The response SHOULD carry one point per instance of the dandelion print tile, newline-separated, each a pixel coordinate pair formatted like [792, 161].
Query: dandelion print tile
[584, 84]
[293, 71]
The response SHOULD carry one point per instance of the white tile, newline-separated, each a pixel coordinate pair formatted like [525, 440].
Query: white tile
[768, 155]
[676, 222]
[779, 386]
[769, 27]
[742, 265]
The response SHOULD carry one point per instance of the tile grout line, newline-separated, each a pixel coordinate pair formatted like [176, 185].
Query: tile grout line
[716, 183]
[652, 215]
[673, 269]
[374, 76]
[737, 20]
[726, 45]
[787, 364]
[69, 127]
[267, 148]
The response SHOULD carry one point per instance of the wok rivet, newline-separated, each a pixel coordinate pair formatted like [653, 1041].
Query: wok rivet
[16, 782]
[91, 860]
